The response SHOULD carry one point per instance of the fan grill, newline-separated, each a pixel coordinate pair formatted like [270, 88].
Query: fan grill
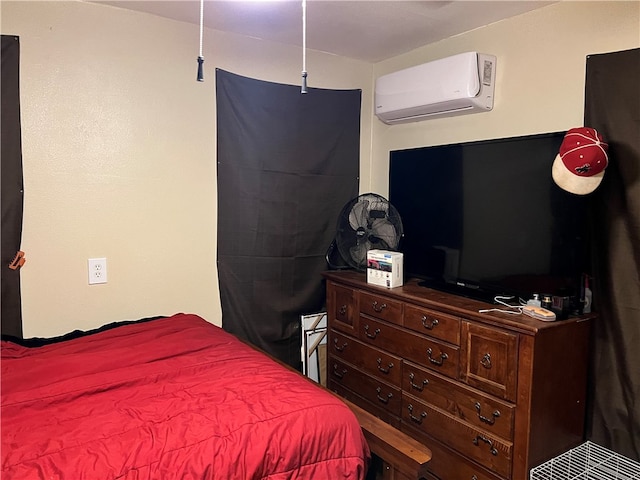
[367, 222]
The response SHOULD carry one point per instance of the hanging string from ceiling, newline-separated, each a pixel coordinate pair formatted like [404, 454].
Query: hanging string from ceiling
[304, 47]
[200, 57]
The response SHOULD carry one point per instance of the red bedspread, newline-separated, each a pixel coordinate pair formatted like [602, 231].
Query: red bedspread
[173, 398]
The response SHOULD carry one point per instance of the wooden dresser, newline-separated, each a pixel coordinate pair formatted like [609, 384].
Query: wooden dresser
[491, 394]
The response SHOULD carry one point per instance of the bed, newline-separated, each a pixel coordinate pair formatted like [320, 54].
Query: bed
[169, 398]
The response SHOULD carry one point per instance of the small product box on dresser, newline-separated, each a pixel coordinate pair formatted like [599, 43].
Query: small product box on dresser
[385, 268]
[492, 395]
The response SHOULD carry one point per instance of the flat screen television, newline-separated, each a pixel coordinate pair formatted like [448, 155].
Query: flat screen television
[485, 218]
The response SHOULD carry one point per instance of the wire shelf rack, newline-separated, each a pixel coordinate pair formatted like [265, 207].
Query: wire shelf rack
[588, 461]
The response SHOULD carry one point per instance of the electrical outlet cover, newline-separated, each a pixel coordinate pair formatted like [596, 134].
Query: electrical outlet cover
[97, 270]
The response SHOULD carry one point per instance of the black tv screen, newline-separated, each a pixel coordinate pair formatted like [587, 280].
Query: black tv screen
[486, 218]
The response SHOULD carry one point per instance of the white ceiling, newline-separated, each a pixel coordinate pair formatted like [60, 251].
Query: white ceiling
[369, 30]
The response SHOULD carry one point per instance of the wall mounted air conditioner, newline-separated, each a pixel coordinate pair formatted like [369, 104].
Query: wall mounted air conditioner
[456, 85]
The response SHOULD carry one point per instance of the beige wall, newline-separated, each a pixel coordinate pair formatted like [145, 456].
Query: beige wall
[119, 138]
[539, 78]
[119, 157]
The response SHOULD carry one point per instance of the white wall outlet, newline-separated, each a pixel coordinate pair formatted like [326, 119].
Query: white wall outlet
[97, 270]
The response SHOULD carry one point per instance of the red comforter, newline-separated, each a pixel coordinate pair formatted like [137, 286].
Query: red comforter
[172, 398]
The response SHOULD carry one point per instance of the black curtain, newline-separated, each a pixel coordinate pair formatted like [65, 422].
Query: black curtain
[612, 106]
[12, 188]
[287, 164]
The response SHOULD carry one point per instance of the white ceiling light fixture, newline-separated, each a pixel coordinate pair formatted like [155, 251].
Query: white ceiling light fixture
[200, 76]
[303, 89]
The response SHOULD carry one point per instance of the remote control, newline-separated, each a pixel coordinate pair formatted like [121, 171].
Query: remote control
[539, 313]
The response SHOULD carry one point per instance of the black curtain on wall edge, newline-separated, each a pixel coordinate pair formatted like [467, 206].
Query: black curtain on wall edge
[287, 164]
[612, 106]
[12, 186]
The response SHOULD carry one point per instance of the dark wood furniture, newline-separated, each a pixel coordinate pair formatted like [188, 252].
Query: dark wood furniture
[492, 395]
[402, 457]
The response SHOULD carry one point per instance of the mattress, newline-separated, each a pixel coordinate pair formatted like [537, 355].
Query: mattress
[174, 397]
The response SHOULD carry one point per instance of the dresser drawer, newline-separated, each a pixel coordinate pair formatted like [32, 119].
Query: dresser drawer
[370, 359]
[445, 464]
[489, 359]
[381, 413]
[379, 306]
[488, 451]
[341, 307]
[432, 323]
[370, 388]
[470, 405]
[421, 349]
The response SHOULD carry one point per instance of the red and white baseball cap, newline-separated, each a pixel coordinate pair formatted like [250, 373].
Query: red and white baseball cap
[579, 166]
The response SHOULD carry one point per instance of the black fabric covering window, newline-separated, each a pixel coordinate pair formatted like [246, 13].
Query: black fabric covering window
[12, 186]
[612, 106]
[287, 164]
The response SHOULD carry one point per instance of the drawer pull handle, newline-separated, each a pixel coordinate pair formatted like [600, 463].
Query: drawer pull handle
[492, 449]
[383, 369]
[425, 382]
[378, 308]
[339, 348]
[342, 310]
[371, 335]
[437, 361]
[415, 419]
[338, 373]
[486, 360]
[484, 419]
[429, 326]
[383, 399]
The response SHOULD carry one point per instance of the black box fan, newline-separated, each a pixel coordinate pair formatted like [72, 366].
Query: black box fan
[367, 222]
